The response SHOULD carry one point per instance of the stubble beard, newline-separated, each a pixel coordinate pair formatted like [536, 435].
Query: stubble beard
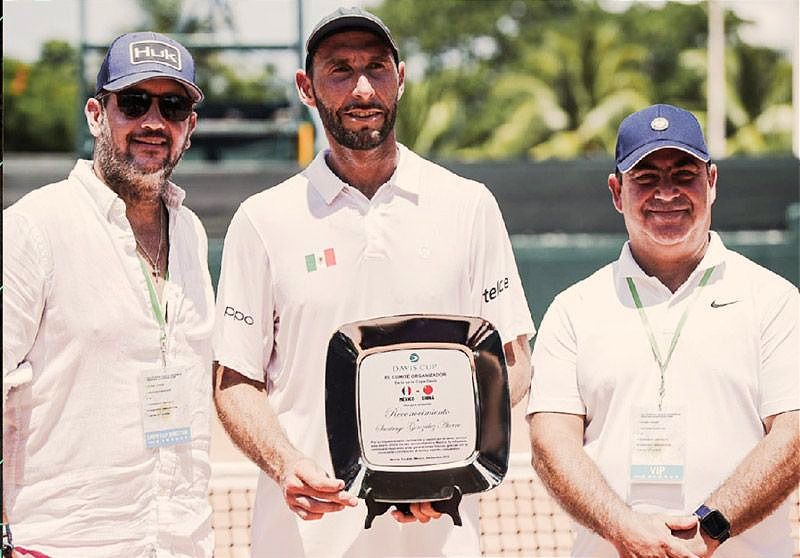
[360, 140]
[132, 182]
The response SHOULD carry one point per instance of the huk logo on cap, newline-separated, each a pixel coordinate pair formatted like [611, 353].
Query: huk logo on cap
[155, 51]
[659, 124]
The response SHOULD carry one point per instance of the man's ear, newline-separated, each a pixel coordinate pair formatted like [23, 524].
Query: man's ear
[615, 187]
[304, 90]
[192, 125]
[712, 182]
[93, 110]
[401, 75]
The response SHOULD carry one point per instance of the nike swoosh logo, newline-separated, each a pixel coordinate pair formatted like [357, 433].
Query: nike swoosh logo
[715, 304]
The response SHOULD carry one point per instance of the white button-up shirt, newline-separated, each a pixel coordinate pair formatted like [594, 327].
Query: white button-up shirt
[78, 330]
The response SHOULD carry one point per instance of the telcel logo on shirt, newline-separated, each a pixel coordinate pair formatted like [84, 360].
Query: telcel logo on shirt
[155, 51]
[491, 293]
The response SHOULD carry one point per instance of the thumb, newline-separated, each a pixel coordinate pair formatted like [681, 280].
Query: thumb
[681, 522]
[313, 476]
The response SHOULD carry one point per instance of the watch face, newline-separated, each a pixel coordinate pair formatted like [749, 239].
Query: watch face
[715, 523]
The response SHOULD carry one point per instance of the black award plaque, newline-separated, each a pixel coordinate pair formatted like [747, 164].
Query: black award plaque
[417, 409]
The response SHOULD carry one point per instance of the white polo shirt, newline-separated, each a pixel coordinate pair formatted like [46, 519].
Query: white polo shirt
[78, 330]
[311, 254]
[735, 363]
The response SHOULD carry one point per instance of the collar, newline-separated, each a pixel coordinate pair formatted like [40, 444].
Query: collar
[328, 185]
[104, 197]
[715, 255]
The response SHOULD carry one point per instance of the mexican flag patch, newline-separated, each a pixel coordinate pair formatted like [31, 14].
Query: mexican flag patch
[318, 260]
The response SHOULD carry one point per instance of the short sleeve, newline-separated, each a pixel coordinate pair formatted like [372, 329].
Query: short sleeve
[494, 279]
[27, 269]
[244, 330]
[779, 375]
[554, 385]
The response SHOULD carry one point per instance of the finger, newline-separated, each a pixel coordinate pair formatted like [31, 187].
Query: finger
[680, 522]
[416, 511]
[316, 506]
[306, 515]
[400, 517]
[318, 480]
[342, 497]
[680, 551]
[427, 508]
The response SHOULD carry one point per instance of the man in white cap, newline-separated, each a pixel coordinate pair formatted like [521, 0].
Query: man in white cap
[107, 319]
[666, 386]
[369, 229]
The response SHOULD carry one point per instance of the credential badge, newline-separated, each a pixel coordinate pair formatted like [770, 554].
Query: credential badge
[659, 124]
[155, 51]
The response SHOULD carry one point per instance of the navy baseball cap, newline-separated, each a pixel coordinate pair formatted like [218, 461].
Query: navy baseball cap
[348, 19]
[136, 57]
[658, 127]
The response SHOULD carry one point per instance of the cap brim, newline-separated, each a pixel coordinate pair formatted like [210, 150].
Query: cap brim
[638, 154]
[127, 81]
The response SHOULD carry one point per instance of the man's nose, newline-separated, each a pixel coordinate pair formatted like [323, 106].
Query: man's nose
[153, 119]
[667, 189]
[363, 88]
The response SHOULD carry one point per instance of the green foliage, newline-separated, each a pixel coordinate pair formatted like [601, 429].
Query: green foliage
[40, 100]
[552, 79]
[486, 79]
[221, 79]
[162, 16]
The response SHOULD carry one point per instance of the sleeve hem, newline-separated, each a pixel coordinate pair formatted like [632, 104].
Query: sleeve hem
[240, 367]
[566, 406]
[778, 407]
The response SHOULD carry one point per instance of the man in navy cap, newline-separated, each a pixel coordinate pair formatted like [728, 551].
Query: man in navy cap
[369, 229]
[665, 393]
[107, 318]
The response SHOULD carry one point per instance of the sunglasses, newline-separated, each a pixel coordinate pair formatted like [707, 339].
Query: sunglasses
[134, 103]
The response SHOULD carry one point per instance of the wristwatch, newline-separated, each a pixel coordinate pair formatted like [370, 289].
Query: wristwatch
[713, 523]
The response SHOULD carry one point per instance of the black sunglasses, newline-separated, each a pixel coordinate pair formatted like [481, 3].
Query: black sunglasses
[134, 103]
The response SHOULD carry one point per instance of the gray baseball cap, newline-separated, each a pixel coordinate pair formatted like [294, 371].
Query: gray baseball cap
[136, 57]
[348, 19]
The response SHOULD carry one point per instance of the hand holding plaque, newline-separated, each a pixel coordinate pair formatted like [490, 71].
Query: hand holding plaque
[417, 409]
[310, 493]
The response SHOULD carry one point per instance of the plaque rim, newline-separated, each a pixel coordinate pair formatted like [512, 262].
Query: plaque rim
[488, 465]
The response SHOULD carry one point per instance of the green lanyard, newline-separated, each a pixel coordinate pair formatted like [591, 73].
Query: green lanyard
[162, 323]
[662, 364]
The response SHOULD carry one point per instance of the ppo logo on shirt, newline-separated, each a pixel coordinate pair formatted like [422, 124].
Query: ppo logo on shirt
[231, 312]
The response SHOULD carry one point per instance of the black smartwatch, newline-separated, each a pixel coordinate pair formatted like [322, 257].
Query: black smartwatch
[713, 523]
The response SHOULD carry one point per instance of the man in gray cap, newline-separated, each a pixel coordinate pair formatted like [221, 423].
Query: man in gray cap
[107, 318]
[368, 229]
[665, 393]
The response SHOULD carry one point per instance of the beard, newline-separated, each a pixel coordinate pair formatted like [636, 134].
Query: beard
[356, 139]
[133, 181]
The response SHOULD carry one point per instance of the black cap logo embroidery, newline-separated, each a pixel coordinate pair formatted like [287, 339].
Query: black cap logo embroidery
[155, 51]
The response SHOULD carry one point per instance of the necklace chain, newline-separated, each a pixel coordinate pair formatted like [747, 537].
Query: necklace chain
[150, 261]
